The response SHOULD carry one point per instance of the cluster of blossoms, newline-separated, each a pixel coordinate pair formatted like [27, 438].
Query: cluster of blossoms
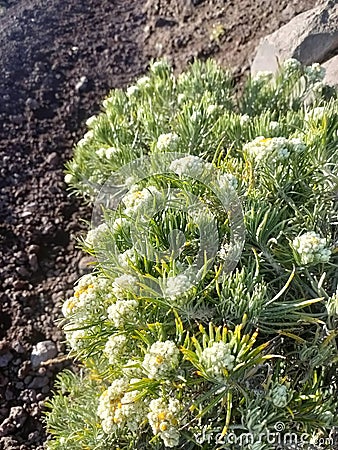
[118, 408]
[139, 200]
[315, 72]
[217, 359]
[190, 165]
[163, 419]
[273, 149]
[161, 359]
[85, 295]
[126, 257]
[107, 153]
[311, 248]
[177, 286]
[96, 234]
[122, 311]
[280, 396]
[115, 348]
[84, 304]
[123, 285]
[167, 142]
[291, 66]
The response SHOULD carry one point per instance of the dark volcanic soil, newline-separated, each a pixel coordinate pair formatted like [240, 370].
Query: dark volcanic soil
[57, 61]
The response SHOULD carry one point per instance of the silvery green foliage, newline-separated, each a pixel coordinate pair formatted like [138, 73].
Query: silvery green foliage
[180, 348]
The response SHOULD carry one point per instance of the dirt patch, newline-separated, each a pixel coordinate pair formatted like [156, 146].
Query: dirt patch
[58, 60]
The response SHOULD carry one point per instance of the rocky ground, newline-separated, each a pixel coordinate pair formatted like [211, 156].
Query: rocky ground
[57, 61]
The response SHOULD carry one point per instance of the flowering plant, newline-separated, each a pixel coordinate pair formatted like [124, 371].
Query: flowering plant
[212, 308]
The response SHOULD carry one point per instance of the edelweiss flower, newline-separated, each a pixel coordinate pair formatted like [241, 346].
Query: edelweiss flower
[110, 403]
[96, 234]
[143, 81]
[124, 284]
[315, 72]
[291, 65]
[273, 149]
[167, 142]
[122, 311]
[161, 359]
[177, 286]
[163, 419]
[68, 178]
[91, 121]
[85, 294]
[217, 358]
[132, 90]
[114, 348]
[107, 153]
[311, 248]
[190, 165]
[139, 200]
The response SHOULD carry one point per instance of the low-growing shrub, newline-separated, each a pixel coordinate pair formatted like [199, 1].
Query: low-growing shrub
[210, 317]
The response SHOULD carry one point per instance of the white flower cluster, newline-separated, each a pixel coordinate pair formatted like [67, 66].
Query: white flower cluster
[114, 348]
[161, 359]
[87, 137]
[132, 90]
[217, 358]
[138, 200]
[291, 65]
[311, 248]
[167, 142]
[159, 66]
[244, 119]
[279, 395]
[211, 110]
[273, 149]
[122, 311]
[190, 165]
[96, 234]
[91, 121]
[315, 73]
[143, 81]
[85, 294]
[68, 178]
[75, 338]
[123, 285]
[163, 419]
[107, 153]
[118, 408]
[127, 257]
[177, 286]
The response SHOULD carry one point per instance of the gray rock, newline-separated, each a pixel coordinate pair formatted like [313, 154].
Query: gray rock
[86, 264]
[5, 359]
[309, 37]
[38, 382]
[43, 351]
[331, 67]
